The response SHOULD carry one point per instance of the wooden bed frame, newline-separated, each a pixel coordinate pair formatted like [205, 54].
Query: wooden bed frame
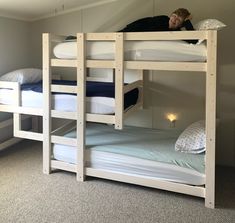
[119, 64]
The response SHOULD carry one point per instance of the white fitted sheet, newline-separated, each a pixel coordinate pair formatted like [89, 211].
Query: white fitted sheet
[136, 50]
[127, 152]
[60, 102]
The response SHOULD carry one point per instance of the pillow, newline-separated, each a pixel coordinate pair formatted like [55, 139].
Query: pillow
[192, 139]
[209, 24]
[23, 76]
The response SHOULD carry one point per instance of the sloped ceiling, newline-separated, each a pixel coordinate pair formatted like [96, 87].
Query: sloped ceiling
[31, 10]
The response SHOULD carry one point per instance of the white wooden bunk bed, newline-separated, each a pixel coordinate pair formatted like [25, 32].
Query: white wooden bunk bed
[118, 63]
[81, 63]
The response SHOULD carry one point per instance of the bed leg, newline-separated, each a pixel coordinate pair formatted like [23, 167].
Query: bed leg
[80, 178]
[46, 157]
[210, 203]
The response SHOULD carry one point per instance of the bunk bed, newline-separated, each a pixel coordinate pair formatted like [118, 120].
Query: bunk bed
[120, 60]
[80, 161]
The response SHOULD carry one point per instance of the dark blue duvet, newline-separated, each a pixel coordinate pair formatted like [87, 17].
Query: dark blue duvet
[93, 89]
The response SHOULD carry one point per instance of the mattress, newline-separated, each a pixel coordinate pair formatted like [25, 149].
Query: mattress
[99, 100]
[136, 50]
[136, 151]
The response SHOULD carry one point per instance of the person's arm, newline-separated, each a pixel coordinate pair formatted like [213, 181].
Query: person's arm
[189, 26]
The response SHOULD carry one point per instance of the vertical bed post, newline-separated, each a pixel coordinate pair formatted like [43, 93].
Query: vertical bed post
[119, 81]
[81, 103]
[46, 103]
[17, 116]
[210, 118]
[141, 97]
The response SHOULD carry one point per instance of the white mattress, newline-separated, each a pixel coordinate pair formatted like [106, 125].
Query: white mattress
[137, 50]
[60, 102]
[123, 152]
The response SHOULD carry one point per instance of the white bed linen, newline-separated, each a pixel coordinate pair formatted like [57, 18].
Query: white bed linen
[131, 165]
[60, 102]
[135, 151]
[136, 50]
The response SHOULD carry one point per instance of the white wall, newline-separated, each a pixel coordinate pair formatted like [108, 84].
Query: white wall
[182, 92]
[14, 45]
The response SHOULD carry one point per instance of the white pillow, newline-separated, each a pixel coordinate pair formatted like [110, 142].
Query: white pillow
[23, 76]
[192, 139]
[209, 24]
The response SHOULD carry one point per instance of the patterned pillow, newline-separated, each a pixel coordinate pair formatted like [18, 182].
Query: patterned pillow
[192, 139]
[209, 24]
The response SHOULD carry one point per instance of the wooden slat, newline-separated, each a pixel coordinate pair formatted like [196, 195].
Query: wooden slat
[89, 63]
[21, 110]
[109, 119]
[29, 135]
[89, 117]
[174, 35]
[149, 182]
[64, 89]
[63, 166]
[63, 63]
[145, 65]
[101, 36]
[100, 64]
[64, 140]
[169, 66]
[65, 115]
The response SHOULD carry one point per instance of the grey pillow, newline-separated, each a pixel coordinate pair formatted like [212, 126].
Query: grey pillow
[192, 139]
[23, 76]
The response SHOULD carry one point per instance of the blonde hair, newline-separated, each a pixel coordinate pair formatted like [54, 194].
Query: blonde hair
[182, 12]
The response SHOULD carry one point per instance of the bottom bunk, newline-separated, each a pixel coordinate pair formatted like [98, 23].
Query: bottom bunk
[137, 152]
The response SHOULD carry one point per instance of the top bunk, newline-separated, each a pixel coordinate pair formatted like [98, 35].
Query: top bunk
[137, 50]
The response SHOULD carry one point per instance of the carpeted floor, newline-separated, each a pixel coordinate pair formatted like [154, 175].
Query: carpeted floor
[27, 195]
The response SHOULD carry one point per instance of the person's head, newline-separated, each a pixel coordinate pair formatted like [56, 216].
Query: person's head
[178, 17]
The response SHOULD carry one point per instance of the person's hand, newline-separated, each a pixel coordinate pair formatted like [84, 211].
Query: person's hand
[188, 18]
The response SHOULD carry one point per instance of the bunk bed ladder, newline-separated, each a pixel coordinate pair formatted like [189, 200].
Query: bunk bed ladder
[48, 113]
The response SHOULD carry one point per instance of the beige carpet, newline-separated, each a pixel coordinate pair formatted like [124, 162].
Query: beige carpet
[27, 195]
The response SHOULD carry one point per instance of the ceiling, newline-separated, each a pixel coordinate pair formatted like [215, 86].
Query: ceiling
[31, 10]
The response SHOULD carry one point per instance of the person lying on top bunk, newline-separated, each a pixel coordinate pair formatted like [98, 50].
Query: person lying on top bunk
[179, 19]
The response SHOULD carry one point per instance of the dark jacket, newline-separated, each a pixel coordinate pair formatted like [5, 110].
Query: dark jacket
[156, 23]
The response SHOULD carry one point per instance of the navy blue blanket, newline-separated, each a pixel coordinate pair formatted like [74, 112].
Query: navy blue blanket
[98, 89]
